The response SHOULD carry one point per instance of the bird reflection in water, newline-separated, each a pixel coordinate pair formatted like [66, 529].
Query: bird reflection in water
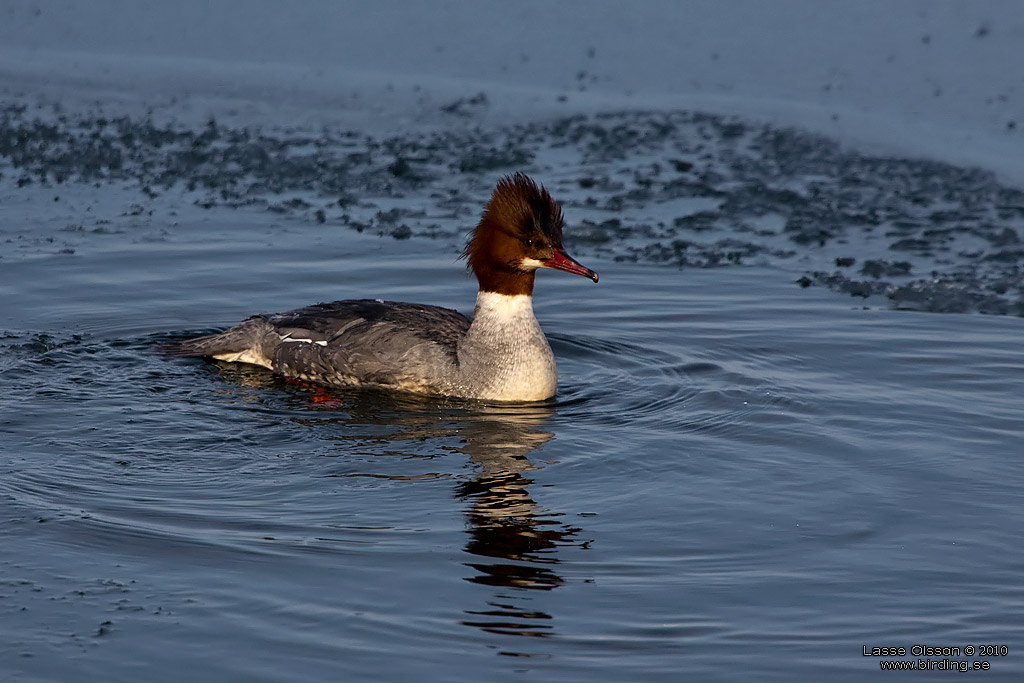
[519, 537]
[515, 538]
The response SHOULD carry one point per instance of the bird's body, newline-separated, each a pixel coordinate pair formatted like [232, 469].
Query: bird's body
[501, 354]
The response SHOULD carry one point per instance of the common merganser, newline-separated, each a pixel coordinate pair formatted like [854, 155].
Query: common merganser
[502, 355]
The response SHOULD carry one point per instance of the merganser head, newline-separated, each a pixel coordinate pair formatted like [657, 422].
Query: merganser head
[519, 232]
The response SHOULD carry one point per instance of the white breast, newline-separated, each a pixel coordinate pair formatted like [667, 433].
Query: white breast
[505, 355]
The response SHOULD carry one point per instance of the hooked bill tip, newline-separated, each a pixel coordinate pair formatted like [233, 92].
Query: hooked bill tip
[562, 261]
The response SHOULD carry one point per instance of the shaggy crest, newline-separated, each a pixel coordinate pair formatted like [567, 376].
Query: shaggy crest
[520, 213]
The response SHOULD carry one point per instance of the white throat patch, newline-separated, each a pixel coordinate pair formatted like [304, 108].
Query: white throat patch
[504, 306]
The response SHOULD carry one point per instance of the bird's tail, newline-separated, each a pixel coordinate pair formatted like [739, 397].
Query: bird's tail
[239, 343]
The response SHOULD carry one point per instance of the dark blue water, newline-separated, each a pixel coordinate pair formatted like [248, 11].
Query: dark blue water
[738, 480]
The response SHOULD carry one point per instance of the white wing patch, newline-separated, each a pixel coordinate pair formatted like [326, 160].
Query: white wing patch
[287, 338]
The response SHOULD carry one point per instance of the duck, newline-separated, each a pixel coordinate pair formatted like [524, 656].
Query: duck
[499, 354]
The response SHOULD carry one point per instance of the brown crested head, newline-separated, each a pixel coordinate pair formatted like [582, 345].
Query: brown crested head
[520, 231]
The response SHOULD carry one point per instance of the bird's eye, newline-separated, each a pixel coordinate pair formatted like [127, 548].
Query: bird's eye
[528, 243]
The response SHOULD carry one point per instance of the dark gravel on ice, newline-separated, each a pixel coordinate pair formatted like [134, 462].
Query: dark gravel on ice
[677, 189]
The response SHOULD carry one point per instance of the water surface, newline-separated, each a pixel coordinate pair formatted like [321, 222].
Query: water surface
[739, 477]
